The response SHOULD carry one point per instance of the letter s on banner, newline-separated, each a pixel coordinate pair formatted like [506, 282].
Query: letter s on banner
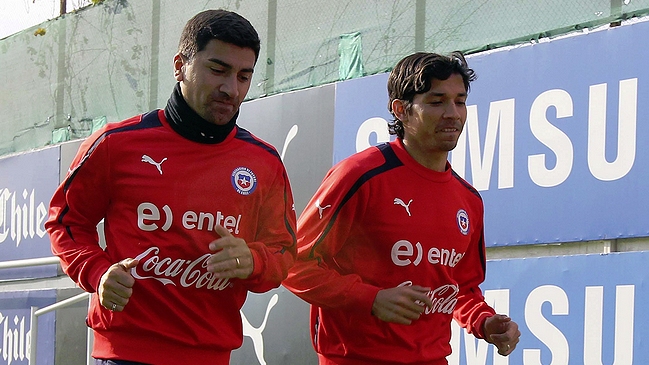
[543, 329]
[376, 125]
[552, 137]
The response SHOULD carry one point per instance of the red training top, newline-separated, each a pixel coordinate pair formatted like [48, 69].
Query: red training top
[160, 196]
[381, 220]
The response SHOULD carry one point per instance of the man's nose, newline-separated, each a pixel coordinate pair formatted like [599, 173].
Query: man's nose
[230, 86]
[452, 110]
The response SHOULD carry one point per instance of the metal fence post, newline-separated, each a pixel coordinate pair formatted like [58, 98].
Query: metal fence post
[33, 335]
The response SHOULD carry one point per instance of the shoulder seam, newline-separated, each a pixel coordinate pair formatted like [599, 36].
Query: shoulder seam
[391, 162]
[245, 136]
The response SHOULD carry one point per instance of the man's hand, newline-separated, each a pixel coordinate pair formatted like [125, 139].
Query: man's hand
[402, 304]
[232, 257]
[116, 285]
[502, 332]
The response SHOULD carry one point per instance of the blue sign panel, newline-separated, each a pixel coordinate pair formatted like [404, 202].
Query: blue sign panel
[361, 115]
[572, 314]
[25, 194]
[15, 327]
[554, 136]
[560, 128]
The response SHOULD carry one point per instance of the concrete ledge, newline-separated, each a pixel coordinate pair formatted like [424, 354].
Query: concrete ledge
[569, 248]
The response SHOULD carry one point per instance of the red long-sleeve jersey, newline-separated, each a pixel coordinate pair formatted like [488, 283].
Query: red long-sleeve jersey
[160, 196]
[381, 220]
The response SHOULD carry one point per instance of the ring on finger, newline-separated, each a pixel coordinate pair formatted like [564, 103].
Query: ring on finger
[508, 347]
[238, 262]
[113, 307]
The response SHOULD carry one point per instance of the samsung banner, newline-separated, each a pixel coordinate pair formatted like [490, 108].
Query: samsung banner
[570, 314]
[567, 310]
[554, 138]
[27, 184]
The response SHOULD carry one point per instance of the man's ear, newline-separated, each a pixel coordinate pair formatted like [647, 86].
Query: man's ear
[179, 67]
[399, 109]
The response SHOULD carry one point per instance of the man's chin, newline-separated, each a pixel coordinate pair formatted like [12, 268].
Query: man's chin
[220, 118]
[450, 146]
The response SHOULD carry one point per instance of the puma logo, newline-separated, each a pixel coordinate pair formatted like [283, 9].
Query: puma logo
[320, 208]
[158, 165]
[398, 201]
[255, 334]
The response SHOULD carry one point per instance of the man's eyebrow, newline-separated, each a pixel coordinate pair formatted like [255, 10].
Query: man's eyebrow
[444, 94]
[229, 66]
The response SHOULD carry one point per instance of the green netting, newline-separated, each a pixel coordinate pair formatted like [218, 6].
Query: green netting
[350, 53]
[114, 60]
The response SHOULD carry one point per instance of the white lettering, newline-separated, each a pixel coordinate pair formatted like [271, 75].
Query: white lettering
[433, 255]
[4, 215]
[500, 125]
[593, 315]
[15, 341]
[443, 298]
[444, 257]
[420, 252]
[552, 137]
[230, 222]
[186, 273]
[148, 214]
[550, 336]
[41, 217]
[21, 221]
[169, 216]
[219, 218]
[554, 168]
[189, 220]
[403, 249]
[205, 216]
[543, 329]
[376, 126]
[626, 131]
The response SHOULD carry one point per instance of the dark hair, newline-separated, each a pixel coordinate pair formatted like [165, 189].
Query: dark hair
[413, 75]
[219, 24]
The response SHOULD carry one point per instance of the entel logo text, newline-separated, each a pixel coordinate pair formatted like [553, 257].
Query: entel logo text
[403, 251]
[148, 214]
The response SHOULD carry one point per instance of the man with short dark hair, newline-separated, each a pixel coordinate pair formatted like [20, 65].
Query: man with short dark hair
[197, 211]
[391, 246]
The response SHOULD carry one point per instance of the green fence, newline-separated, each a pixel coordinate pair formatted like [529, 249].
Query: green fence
[66, 77]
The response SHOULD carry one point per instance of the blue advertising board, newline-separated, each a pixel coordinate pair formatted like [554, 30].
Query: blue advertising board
[27, 184]
[15, 327]
[570, 314]
[568, 311]
[553, 140]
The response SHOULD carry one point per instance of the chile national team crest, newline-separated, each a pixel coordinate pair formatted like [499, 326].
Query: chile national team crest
[244, 180]
[463, 221]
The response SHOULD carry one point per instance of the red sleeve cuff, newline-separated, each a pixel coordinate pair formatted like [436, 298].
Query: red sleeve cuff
[364, 296]
[257, 264]
[94, 277]
[479, 330]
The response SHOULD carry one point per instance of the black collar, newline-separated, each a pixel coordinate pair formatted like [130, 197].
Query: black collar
[186, 122]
